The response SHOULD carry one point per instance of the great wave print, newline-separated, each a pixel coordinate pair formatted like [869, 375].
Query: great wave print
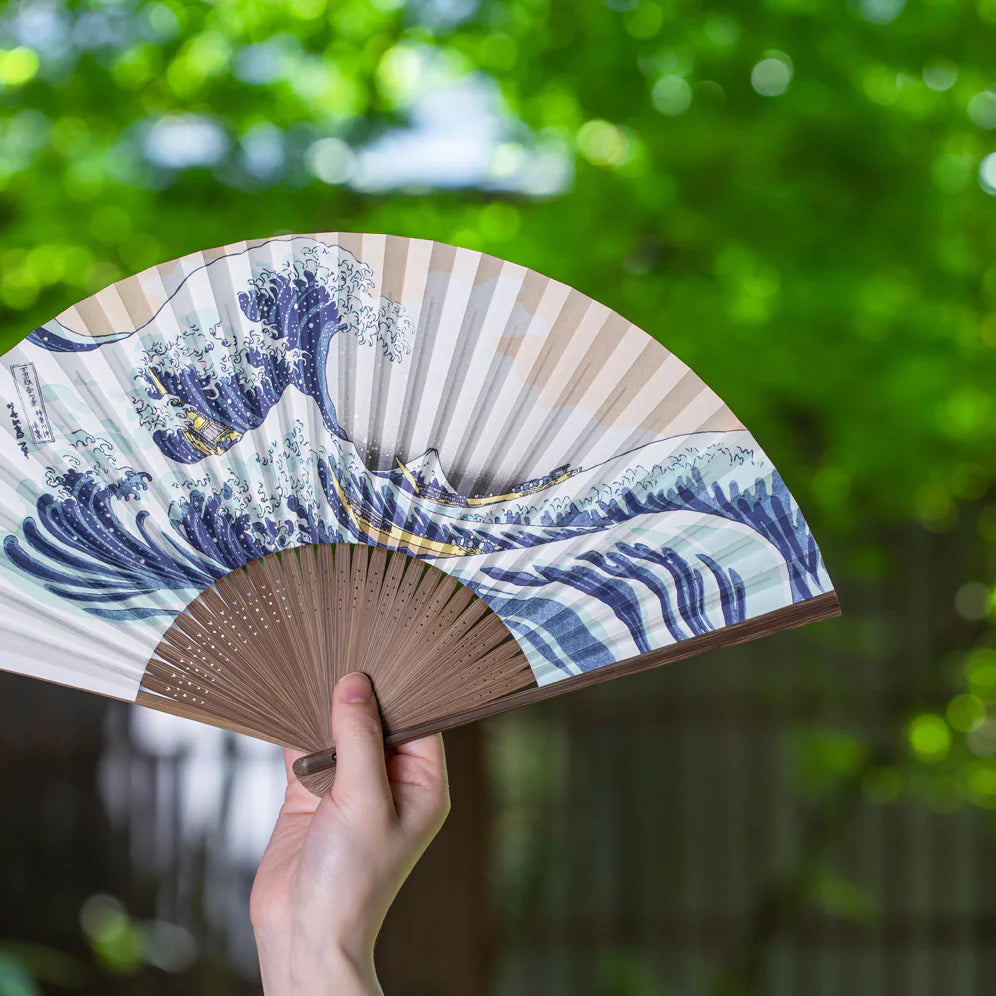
[220, 442]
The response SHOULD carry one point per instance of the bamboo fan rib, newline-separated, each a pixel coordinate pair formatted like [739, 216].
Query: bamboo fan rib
[234, 477]
[261, 650]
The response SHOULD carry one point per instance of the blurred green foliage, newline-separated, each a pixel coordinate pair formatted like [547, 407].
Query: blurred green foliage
[842, 897]
[791, 195]
[623, 973]
[117, 944]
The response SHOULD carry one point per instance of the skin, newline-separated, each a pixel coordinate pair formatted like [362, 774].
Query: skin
[334, 865]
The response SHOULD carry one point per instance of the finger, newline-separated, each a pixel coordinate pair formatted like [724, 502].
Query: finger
[290, 756]
[429, 749]
[297, 799]
[419, 781]
[361, 774]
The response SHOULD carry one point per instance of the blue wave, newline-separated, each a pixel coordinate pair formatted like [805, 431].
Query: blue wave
[612, 577]
[109, 560]
[48, 338]
[98, 531]
[299, 318]
[766, 506]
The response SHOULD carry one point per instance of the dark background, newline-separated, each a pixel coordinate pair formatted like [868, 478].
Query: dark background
[796, 197]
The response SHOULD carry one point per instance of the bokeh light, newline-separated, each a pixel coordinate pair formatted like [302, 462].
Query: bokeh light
[603, 143]
[772, 75]
[17, 65]
[966, 712]
[974, 600]
[331, 160]
[880, 11]
[185, 140]
[987, 173]
[982, 109]
[939, 74]
[672, 95]
[930, 737]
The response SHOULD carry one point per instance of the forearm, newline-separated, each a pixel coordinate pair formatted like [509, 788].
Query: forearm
[299, 970]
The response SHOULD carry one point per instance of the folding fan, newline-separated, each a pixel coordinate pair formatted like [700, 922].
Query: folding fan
[234, 477]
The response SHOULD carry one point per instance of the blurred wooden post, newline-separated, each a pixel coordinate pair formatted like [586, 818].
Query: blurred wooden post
[436, 936]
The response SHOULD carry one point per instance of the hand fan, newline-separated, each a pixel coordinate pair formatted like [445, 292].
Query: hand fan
[233, 477]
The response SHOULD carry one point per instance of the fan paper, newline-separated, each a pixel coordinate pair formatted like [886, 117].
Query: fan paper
[371, 389]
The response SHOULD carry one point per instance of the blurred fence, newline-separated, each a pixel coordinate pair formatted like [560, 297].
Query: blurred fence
[738, 823]
[743, 823]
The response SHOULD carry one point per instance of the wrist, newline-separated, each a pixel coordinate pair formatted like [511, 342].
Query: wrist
[312, 970]
[336, 970]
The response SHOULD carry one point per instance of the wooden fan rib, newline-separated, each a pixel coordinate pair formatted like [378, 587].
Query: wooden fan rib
[815, 609]
[183, 647]
[238, 615]
[357, 618]
[253, 721]
[260, 650]
[442, 674]
[241, 698]
[415, 614]
[434, 666]
[312, 591]
[395, 565]
[236, 611]
[294, 617]
[343, 618]
[262, 647]
[167, 704]
[468, 675]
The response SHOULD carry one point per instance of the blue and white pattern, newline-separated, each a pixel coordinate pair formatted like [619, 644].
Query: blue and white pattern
[209, 436]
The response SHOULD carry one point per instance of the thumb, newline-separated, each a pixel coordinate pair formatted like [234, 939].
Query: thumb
[361, 769]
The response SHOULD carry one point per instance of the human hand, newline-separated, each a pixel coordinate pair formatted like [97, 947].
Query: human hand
[334, 865]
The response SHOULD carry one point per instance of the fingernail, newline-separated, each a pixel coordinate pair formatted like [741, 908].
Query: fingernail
[355, 687]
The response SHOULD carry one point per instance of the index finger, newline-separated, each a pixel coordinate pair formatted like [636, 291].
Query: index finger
[297, 799]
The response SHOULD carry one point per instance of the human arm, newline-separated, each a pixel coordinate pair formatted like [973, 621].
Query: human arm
[334, 865]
